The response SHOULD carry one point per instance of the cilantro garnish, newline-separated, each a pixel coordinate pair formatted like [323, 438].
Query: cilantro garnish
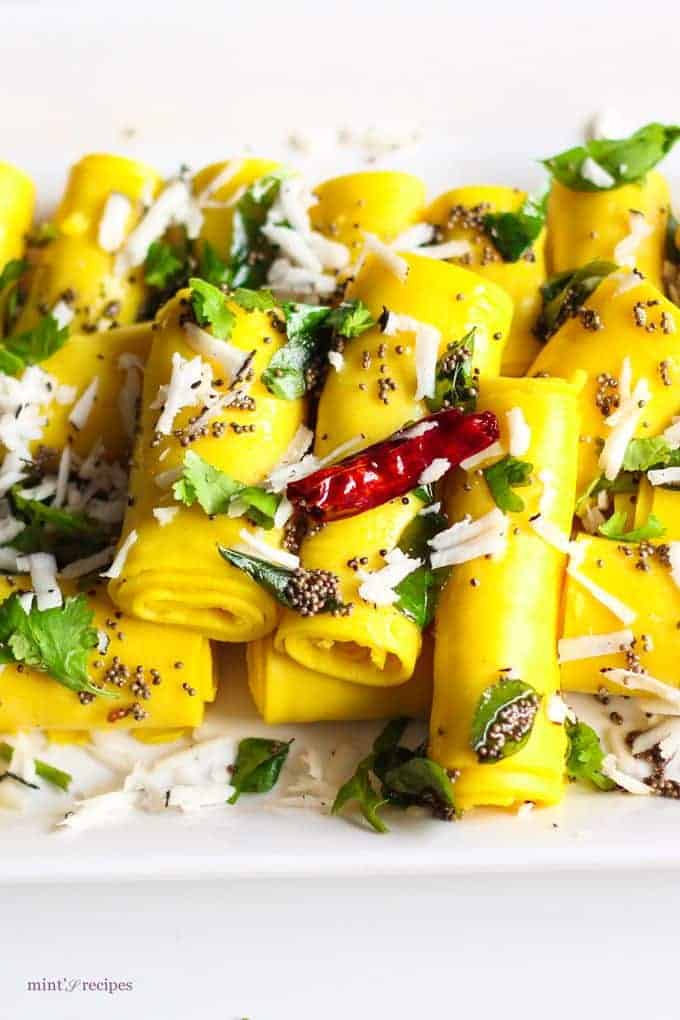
[210, 307]
[585, 756]
[54, 641]
[33, 346]
[215, 490]
[513, 233]
[625, 160]
[614, 528]
[504, 476]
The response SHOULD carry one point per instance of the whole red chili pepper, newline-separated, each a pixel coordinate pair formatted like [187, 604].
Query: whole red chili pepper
[392, 468]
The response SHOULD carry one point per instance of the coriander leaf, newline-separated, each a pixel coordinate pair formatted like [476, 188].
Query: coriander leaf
[258, 765]
[211, 267]
[205, 484]
[33, 346]
[12, 271]
[585, 756]
[624, 160]
[161, 265]
[503, 720]
[215, 491]
[566, 292]
[643, 454]
[350, 319]
[251, 253]
[614, 528]
[513, 233]
[419, 592]
[624, 482]
[210, 307]
[55, 641]
[503, 476]
[42, 768]
[422, 781]
[360, 788]
[253, 300]
[456, 379]
[66, 534]
[285, 376]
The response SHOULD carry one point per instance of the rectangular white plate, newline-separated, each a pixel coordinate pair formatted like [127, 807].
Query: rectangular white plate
[482, 91]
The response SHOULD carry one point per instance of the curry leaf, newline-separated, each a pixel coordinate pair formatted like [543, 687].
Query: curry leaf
[455, 380]
[503, 720]
[258, 765]
[504, 476]
[566, 292]
[513, 233]
[621, 161]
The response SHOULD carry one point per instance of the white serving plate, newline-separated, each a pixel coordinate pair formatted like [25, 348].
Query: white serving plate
[480, 93]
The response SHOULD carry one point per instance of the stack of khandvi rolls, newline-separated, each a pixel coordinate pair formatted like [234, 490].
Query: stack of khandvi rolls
[421, 456]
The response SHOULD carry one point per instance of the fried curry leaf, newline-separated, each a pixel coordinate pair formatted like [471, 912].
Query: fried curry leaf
[66, 534]
[585, 756]
[419, 592]
[455, 380]
[513, 233]
[566, 292]
[503, 477]
[617, 161]
[496, 708]
[55, 641]
[614, 528]
[258, 765]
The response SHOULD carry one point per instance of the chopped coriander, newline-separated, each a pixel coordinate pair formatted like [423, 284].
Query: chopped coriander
[513, 233]
[161, 265]
[210, 307]
[251, 253]
[654, 452]
[614, 528]
[253, 300]
[211, 267]
[55, 641]
[258, 765]
[215, 491]
[623, 161]
[585, 756]
[33, 346]
[504, 476]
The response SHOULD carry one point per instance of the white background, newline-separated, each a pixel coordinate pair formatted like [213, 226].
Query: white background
[198, 81]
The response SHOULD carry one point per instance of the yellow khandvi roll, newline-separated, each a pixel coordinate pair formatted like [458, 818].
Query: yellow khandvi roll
[498, 615]
[286, 692]
[104, 199]
[17, 202]
[626, 223]
[170, 689]
[382, 202]
[172, 572]
[366, 402]
[626, 329]
[112, 363]
[622, 609]
[460, 215]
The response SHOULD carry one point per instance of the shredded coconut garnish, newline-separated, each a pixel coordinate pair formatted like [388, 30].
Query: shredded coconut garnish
[664, 476]
[187, 387]
[470, 463]
[116, 568]
[337, 360]
[255, 545]
[596, 174]
[165, 514]
[82, 410]
[519, 438]
[88, 564]
[557, 710]
[174, 205]
[114, 221]
[43, 570]
[428, 339]
[284, 473]
[377, 587]
[643, 682]
[624, 613]
[131, 391]
[590, 646]
[610, 769]
[436, 470]
[469, 539]
[623, 422]
[626, 250]
[230, 358]
[63, 313]
[393, 262]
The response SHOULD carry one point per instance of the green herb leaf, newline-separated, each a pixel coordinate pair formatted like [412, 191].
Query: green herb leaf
[12, 271]
[496, 706]
[66, 534]
[625, 160]
[419, 592]
[422, 781]
[503, 476]
[33, 346]
[513, 233]
[624, 482]
[456, 381]
[642, 454]
[359, 788]
[350, 319]
[672, 252]
[251, 254]
[215, 490]
[43, 769]
[161, 265]
[566, 292]
[211, 267]
[585, 756]
[285, 376]
[269, 576]
[253, 300]
[210, 307]
[258, 765]
[55, 641]
[613, 528]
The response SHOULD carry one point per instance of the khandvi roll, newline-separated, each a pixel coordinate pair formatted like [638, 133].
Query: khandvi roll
[17, 202]
[286, 692]
[82, 665]
[83, 272]
[607, 202]
[496, 628]
[384, 380]
[623, 346]
[210, 432]
[502, 237]
[379, 202]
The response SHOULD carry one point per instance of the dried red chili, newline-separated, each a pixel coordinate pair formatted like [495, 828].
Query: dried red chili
[392, 468]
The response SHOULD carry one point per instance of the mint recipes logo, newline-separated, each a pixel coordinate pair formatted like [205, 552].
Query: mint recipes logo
[106, 985]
